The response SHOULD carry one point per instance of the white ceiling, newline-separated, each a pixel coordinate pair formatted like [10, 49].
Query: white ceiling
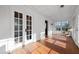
[54, 12]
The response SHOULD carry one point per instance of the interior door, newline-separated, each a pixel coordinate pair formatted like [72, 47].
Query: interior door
[46, 28]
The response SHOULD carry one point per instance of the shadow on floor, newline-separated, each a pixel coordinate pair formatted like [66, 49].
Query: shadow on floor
[60, 44]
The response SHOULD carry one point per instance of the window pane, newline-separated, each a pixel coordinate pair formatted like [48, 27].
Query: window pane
[28, 32]
[16, 14]
[30, 23]
[16, 27]
[30, 37]
[20, 27]
[20, 22]
[27, 17]
[20, 15]
[16, 40]
[28, 27]
[30, 18]
[16, 34]
[16, 21]
[20, 33]
[20, 39]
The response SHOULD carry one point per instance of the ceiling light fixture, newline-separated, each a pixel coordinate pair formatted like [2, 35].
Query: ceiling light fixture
[61, 6]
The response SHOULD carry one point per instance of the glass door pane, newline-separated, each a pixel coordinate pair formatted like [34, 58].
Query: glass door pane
[28, 27]
[18, 27]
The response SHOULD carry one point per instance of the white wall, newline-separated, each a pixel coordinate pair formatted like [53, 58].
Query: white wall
[7, 25]
[4, 22]
[75, 23]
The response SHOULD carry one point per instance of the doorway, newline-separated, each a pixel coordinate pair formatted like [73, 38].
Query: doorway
[46, 29]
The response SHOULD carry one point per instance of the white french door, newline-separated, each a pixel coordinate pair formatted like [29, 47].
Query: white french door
[18, 27]
[28, 27]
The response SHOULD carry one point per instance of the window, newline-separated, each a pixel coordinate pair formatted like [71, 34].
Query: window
[62, 25]
[18, 27]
